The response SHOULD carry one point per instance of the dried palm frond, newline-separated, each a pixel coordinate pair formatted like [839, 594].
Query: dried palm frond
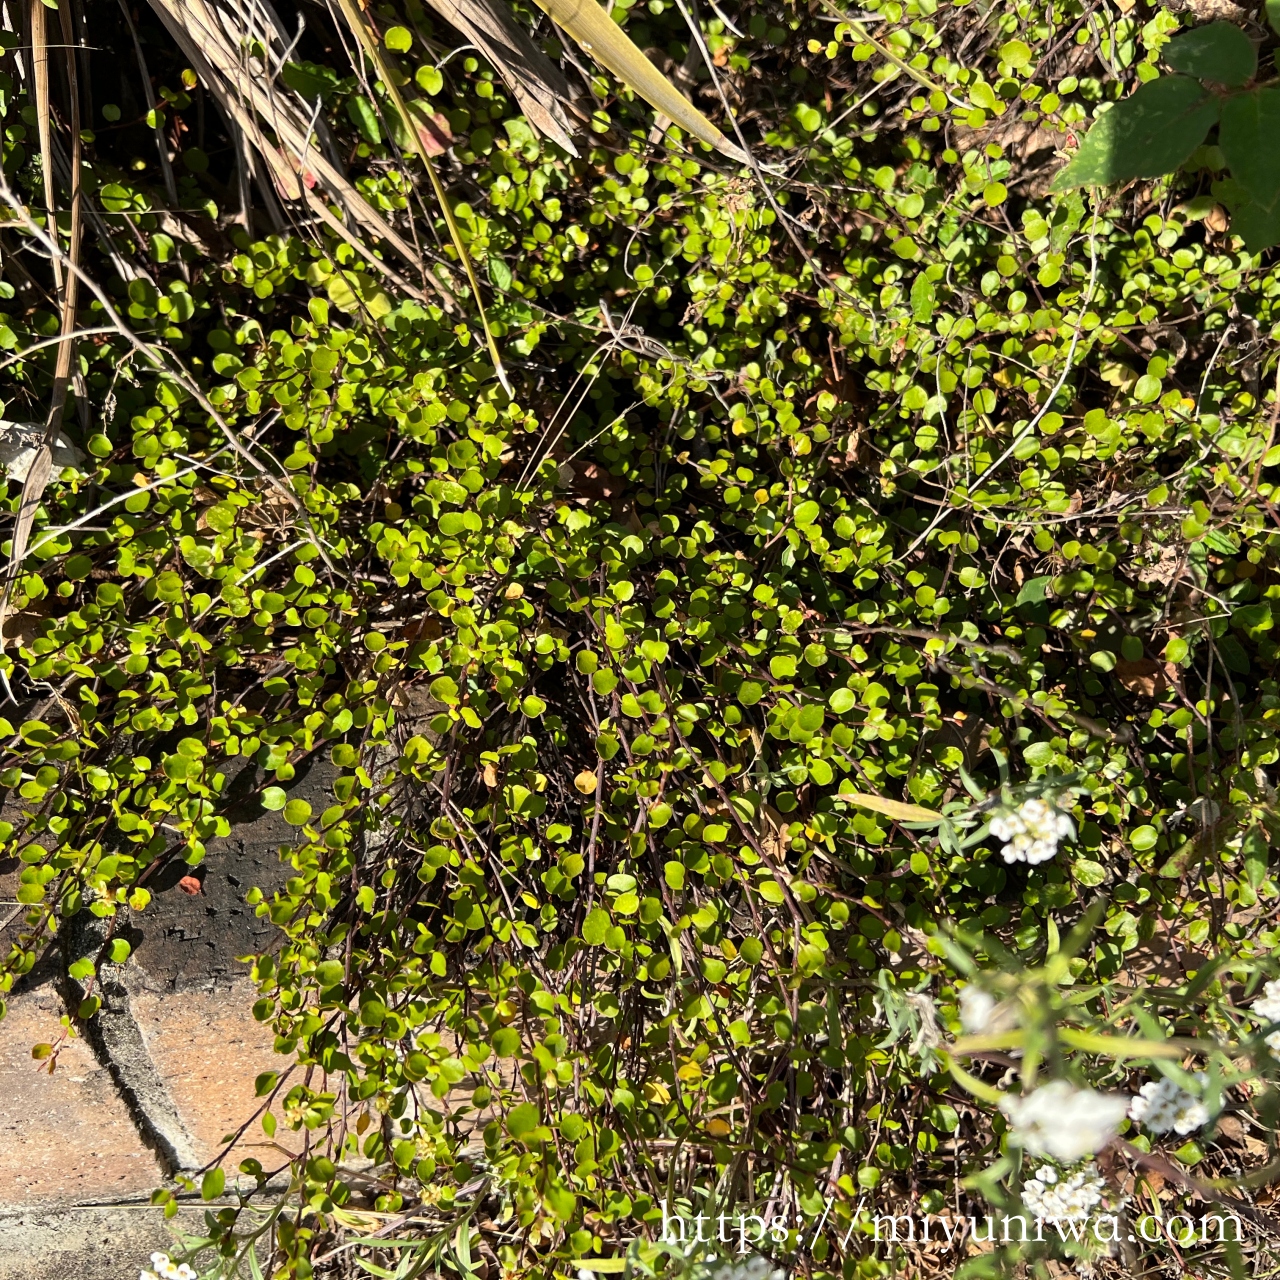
[539, 86]
[246, 90]
[238, 49]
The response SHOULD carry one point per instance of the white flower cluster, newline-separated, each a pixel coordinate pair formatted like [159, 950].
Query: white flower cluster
[976, 1008]
[753, 1268]
[1267, 1009]
[1063, 1122]
[1032, 831]
[162, 1268]
[1162, 1105]
[1053, 1198]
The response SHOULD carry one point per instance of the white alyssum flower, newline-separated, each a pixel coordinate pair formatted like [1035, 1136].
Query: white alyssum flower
[1063, 1122]
[753, 1268]
[1054, 1198]
[976, 1008]
[1267, 1009]
[163, 1268]
[1032, 831]
[1162, 1105]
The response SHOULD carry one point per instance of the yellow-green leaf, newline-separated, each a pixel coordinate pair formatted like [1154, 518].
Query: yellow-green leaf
[1120, 1046]
[894, 809]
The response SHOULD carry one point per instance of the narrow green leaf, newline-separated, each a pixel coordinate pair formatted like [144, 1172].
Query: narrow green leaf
[1257, 855]
[971, 1084]
[362, 115]
[922, 299]
[1120, 1046]
[1033, 591]
[1147, 135]
[310, 81]
[499, 274]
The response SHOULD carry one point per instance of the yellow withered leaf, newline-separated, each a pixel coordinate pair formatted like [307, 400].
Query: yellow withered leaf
[592, 27]
[894, 809]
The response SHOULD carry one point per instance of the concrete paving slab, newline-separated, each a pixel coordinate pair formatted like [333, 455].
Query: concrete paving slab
[84, 1242]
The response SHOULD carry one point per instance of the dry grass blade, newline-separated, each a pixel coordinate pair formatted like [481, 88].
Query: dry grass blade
[40, 96]
[360, 29]
[41, 468]
[246, 97]
[170, 184]
[592, 27]
[32, 492]
[538, 84]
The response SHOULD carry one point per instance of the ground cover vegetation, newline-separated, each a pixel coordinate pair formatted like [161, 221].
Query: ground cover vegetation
[854, 588]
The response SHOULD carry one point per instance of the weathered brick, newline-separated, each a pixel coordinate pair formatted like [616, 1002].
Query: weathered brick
[65, 1136]
[209, 1050]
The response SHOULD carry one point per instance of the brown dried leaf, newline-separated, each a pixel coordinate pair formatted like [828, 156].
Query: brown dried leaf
[191, 885]
[24, 627]
[1231, 1128]
[433, 129]
[1216, 219]
[1143, 675]
[593, 481]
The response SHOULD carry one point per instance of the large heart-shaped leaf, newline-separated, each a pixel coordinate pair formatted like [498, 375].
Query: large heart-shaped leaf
[1148, 134]
[1250, 125]
[1220, 52]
